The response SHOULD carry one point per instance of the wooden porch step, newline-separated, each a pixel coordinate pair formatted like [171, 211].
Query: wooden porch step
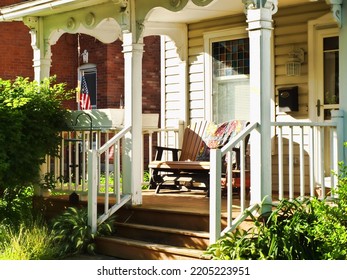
[130, 249]
[180, 219]
[164, 235]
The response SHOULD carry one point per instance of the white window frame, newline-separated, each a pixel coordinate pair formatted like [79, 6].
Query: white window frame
[209, 38]
[89, 67]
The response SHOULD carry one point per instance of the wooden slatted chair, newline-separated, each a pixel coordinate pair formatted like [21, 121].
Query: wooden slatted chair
[185, 166]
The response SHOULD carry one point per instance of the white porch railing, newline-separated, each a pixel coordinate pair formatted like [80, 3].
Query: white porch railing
[301, 150]
[216, 156]
[112, 190]
[69, 169]
[307, 158]
[310, 150]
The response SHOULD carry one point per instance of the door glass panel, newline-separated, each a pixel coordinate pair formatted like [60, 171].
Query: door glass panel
[230, 68]
[331, 75]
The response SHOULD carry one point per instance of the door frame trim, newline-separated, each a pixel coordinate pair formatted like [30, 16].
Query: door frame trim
[325, 22]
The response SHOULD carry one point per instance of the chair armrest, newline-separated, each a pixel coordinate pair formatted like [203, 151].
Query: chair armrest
[160, 151]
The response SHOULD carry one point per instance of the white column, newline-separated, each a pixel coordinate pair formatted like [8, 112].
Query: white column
[133, 54]
[259, 19]
[41, 49]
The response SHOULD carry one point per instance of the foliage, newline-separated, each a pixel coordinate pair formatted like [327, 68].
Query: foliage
[16, 206]
[146, 179]
[307, 229]
[72, 234]
[49, 181]
[32, 116]
[23, 235]
[29, 242]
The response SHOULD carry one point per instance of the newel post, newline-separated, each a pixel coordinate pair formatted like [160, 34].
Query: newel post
[92, 190]
[215, 195]
[337, 145]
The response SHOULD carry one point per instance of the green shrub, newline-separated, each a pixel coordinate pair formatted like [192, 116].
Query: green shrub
[32, 116]
[16, 206]
[309, 229]
[72, 234]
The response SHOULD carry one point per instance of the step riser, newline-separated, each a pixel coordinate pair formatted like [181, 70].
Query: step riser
[189, 221]
[174, 239]
[131, 252]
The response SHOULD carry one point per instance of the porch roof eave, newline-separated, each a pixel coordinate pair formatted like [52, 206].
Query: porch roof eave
[16, 12]
[190, 13]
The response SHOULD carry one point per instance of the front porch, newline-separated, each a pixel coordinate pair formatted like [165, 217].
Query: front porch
[290, 154]
[296, 173]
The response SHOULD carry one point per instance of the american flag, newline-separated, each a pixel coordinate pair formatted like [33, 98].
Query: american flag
[84, 96]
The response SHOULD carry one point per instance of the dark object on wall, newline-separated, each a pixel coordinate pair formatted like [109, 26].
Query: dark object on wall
[288, 100]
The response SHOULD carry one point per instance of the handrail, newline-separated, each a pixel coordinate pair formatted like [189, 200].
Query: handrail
[215, 184]
[114, 139]
[95, 161]
[300, 123]
[241, 218]
[235, 140]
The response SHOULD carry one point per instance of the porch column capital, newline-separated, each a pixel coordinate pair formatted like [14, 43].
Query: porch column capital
[271, 5]
[259, 14]
[336, 9]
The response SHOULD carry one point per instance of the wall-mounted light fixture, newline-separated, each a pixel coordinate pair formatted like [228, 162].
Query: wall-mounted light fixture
[296, 58]
[85, 56]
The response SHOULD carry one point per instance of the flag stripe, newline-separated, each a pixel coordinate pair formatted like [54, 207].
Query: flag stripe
[85, 103]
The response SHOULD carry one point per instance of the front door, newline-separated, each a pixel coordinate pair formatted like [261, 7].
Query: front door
[326, 87]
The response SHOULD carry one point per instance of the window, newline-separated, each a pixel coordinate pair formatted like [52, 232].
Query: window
[230, 79]
[89, 72]
[331, 75]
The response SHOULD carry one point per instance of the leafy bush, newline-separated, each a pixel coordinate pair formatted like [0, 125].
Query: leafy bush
[16, 206]
[309, 229]
[72, 234]
[32, 116]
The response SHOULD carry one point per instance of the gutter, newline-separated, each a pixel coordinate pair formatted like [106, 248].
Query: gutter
[17, 12]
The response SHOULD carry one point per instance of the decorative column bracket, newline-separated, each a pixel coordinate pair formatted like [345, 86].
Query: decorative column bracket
[336, 9]
[257, 4]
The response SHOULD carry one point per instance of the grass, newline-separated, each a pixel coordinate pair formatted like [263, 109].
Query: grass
[29, 242]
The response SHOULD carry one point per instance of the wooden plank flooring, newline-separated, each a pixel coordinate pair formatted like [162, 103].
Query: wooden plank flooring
[194, 201]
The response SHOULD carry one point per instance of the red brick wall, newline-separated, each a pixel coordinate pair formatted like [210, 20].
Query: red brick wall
[110, 72]
[16, 57]
[64, 64]
[15, 51]
[151, 75]
[10, 2]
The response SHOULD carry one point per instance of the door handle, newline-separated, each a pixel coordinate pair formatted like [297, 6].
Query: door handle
[318, 107]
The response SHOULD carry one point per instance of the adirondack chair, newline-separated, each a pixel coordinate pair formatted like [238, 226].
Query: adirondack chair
[183, 166]
[190, 164]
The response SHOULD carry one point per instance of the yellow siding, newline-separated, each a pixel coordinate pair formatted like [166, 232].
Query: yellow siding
[290, 29]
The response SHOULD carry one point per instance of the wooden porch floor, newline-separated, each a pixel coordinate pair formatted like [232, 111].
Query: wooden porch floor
[194, 201]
